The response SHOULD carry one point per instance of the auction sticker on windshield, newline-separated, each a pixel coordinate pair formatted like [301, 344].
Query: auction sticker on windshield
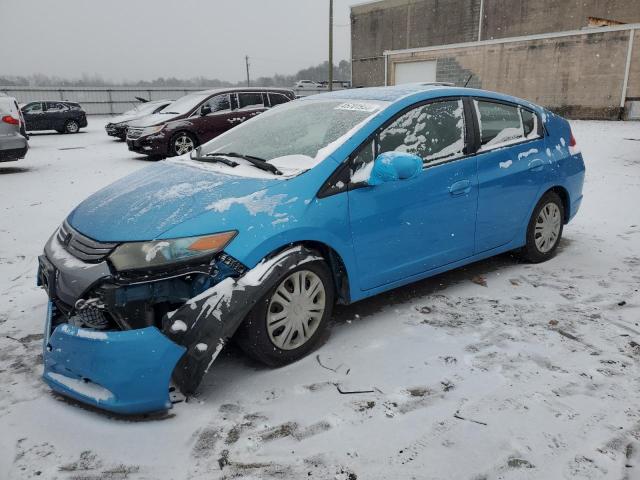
[359, 107]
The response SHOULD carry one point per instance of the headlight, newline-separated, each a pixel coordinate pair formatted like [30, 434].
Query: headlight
[140, 255]
[151, 130]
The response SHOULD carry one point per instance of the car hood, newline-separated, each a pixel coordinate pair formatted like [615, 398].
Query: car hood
[154, 201]
[128, 118]
[154, 119]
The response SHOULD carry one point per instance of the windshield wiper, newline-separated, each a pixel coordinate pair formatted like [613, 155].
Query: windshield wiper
[258, 162]
[210, 158]
[169, 113]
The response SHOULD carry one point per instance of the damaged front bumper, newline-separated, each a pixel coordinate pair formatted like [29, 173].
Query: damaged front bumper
[126, 372]
[149, 330]
[103, 342]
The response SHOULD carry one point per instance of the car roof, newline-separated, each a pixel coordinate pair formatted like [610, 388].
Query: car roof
[421, 90]
[243, 89]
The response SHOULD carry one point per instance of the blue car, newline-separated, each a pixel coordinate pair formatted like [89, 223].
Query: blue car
[255, 236]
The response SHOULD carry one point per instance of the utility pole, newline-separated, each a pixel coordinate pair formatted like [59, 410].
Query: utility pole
[330, 45]
[246, 60]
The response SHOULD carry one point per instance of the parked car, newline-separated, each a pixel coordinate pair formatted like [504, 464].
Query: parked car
[13, 141]
[118, 126]
[309, 85]
[336, 197]
[65, 117]
[198, 117]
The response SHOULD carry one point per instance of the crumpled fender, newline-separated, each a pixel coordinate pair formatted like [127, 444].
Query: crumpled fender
[204, 323]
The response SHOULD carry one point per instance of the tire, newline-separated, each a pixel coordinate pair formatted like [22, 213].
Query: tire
[71, 126]
[181, 143]
[267, 344]
[545, 229]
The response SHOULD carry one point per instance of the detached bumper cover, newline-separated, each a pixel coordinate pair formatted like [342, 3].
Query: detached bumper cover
[125, 372]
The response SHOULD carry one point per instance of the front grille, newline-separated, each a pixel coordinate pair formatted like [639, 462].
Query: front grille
[93, 317]
[82, 247]
[134, 132]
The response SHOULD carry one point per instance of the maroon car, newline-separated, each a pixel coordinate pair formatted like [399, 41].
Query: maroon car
[198, 117]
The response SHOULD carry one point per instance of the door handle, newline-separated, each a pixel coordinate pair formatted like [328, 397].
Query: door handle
[536, 165]
[459, 188]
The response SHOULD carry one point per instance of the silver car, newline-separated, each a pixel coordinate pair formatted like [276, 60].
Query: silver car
[13, 140]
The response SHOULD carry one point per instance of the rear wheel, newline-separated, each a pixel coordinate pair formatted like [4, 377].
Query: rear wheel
[545, 229]
[287, 323]
[182, 143]
[71, 126]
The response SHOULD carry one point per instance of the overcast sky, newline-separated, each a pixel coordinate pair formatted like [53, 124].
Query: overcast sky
[146, 39]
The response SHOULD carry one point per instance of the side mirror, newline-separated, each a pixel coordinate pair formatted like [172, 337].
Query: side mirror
[205, 110]
[392, 166]
[196, 153]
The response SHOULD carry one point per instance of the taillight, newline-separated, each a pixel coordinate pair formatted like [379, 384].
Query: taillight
[11, 120]
[573, 145]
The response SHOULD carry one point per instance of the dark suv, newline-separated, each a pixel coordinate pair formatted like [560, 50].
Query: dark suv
[198, 117]
[65, 117]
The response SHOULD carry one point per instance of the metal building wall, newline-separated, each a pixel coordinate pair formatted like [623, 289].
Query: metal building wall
[589, 74]
[403, 24]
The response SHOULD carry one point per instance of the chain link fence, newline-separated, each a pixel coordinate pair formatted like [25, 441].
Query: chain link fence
[97, 100]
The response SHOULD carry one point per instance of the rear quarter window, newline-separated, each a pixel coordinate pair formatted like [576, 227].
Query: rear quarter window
[278, 99]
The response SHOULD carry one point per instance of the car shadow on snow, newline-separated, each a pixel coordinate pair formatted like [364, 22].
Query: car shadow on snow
[145, 158]
[53, 132]
[423, 288]
[11, 170]
[233, 364]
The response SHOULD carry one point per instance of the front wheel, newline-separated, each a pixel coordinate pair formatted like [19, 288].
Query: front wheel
[71, 127]
[287, 323]
[182, 143]
[545, 229]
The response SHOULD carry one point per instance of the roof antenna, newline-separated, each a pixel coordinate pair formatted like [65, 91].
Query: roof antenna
[468, 79]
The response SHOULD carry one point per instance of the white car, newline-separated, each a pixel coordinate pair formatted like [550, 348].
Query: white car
[118, 126]
[309, 85]
[13, 137]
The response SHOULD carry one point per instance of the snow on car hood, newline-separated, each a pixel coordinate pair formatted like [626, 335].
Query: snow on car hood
[129, 117]
[156, 199]
[154, 119]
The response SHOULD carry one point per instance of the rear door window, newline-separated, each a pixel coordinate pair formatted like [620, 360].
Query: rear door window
[500, 124]
[530, 124]
[434, 131]
[56, 107]
[248, 101]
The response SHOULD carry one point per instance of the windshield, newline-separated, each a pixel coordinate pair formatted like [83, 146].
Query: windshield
[297, 130]
[185, 104]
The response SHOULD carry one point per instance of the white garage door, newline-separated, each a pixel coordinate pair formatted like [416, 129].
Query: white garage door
[411, 72]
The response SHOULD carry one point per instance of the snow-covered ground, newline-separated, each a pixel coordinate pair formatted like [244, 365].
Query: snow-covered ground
[498, 370]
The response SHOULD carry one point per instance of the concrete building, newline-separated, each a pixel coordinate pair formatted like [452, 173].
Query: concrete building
[576, 57]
